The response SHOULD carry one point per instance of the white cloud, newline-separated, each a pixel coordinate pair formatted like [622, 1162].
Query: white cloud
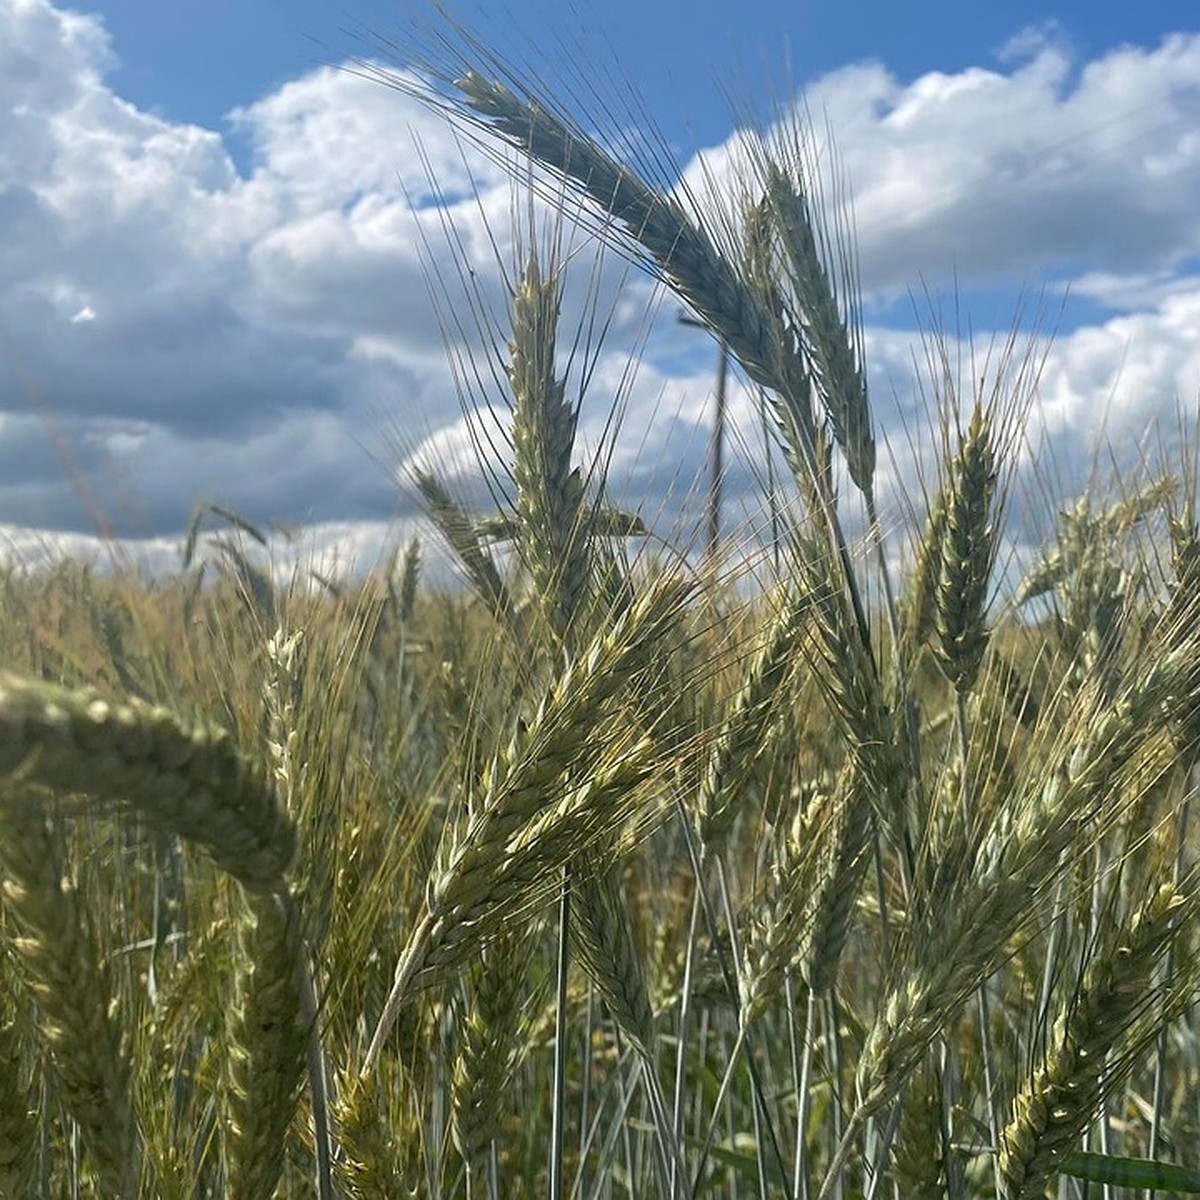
[171, 329]
[989, 174]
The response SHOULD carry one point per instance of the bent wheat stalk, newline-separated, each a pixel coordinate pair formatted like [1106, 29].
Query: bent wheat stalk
[190, 782]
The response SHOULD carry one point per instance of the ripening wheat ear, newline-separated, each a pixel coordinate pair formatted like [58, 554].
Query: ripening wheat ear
[549, 491]
[187, 782]
[966, 531]
[752, 714]
[492, 1043]
[684, 251]
[1060, 1100]
[371, 1163]
[70, 983]
[461, 534]
[831, 343]
[268, 1048]
[560, 789]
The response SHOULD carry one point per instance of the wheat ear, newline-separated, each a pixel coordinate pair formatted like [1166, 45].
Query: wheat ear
[609, 953]
[491, 1047]
[268, 1048]
[188, 782]
[834, 354]
[918, 1156]
[404, 593]
[1060, 1100]
[830, 907]
[370, 1163]
[968, 544]
[751, 716]
[458, 528]
[549, 491]
[847, 674]
[532, 817]
[684, 251]
[71, 984]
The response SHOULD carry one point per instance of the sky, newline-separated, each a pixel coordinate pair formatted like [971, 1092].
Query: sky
[225, 275]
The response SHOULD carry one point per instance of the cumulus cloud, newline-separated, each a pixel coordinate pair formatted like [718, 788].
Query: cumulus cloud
[1046, 169]
[173, 329]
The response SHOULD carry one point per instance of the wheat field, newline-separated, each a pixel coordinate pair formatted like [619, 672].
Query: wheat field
[608, 875]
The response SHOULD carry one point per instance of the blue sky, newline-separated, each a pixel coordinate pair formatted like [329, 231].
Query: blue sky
[213, 285]
[195, 62]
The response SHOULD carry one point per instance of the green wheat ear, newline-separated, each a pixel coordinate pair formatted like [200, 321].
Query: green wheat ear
[67, 978]
[190, 782]
[967, 539]
[1061, 1098]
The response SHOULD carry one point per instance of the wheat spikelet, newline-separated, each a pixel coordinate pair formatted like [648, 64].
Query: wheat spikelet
[968, 548]
[268, 1049]
[835, 359]
[71, 985]
[549, 491]
[492, 1043]
[751, 715]
[188, 782]
[1060, 1100]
